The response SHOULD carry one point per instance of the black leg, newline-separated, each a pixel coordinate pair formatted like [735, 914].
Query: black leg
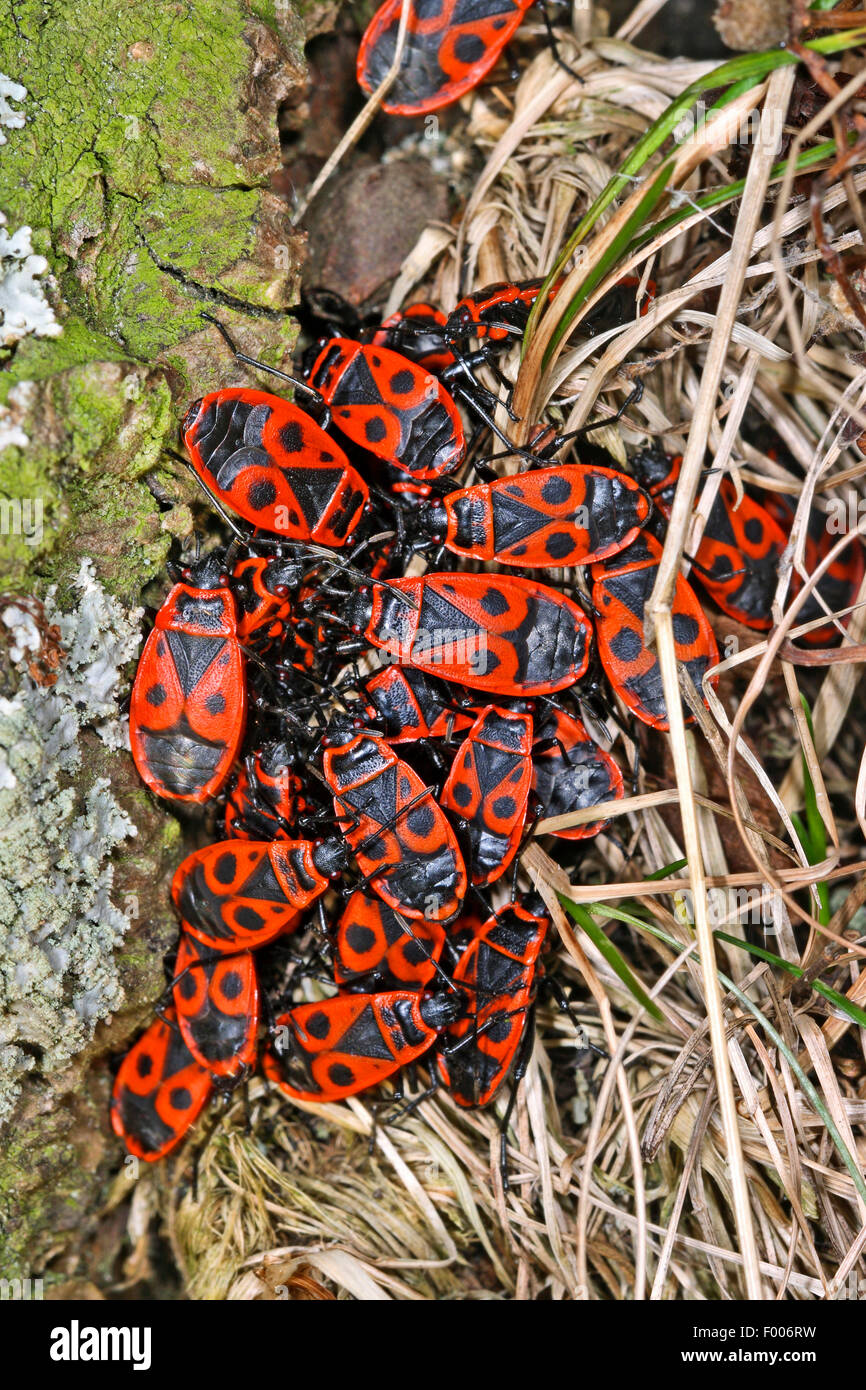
[554, 46]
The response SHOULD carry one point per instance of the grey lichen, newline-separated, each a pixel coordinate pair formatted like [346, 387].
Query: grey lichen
[59, 928]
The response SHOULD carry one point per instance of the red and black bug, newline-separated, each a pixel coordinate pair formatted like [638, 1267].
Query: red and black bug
[450, 47]
[238, 895]
[417, 332]
[619, 306]
[263, 585]
[488, 787]
[391, 406]
[409, 706]
[376, 948]
[498, 972]
[499, 633]
[621, 587]
[333, 1049]
[159, 1092]
[262, 802]
[267, 460]
[570, 772]
[217, 1001]
[569, 514]
[738, 558]
[400, 837]
[188, 706]
[838, 587]
[495, 314]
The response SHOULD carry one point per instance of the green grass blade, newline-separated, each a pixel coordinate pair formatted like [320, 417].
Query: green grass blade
[839, 1001]
[806, 1085]
[584, 919]
[737, 75]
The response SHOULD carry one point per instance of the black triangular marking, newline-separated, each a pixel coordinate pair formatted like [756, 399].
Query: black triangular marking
[440, 616]
[513, 521]
[363, 1038]
[192, 656]
[357, 385]
[313, 488]
[376, 798]
[493, 766]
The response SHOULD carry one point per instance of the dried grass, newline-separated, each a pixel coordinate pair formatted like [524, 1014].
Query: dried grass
[717, 1153]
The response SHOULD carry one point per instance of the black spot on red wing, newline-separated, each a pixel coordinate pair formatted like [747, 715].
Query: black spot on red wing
[340, 1075]
[469, 48]
[144, 1064]
[494, 603]
[420, 820]
[626, 645]
[753, 530]
[186, 985]
[160, 647]
[402, 382]
[360, 939]
[225, 868]
[261, 494]
[232, 985]
[318, 1025]
[414, 952]
[292, 437]
[555, 491]
[248, 919]
[461, 793]
[375, 430]
[155, 695]
[559, 544]
[504, 807]
[215, 703]
[180, 1098]
[375, 849]
[686, 629]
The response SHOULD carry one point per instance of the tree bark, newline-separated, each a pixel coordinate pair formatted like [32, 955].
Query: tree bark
[142, 167]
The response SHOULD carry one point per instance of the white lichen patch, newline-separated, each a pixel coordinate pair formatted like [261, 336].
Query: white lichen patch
[10, 118]
[23, 306]
[59, 928]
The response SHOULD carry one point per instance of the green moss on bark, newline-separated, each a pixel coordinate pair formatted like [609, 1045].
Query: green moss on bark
[143, 169]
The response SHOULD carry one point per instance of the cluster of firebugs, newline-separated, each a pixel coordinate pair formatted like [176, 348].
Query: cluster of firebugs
[385, 742]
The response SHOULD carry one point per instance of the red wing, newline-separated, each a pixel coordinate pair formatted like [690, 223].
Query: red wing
[159, 1092]
[187, 713]
[444, 56]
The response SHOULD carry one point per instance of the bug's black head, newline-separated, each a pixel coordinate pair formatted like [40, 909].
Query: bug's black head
[341, 728]
[209, 572]
[328, 313]
[534, 903]
[283, 575]
[651, 466]
[358, 609]
[438, 1010]
[431, 519]
[276, 756]
[331, 856]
